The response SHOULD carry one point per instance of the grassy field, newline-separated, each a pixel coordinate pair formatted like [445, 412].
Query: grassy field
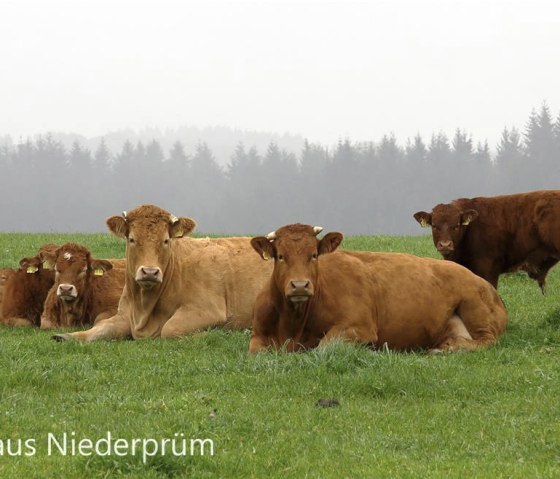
[493, 413]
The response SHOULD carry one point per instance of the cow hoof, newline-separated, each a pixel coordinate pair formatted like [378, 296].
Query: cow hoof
[61, 337]
[434, 351]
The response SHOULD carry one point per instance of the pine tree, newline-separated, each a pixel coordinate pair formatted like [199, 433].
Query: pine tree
[206, 189]
[512, 164]
[540, 149]
[178, 162]
[102, 158]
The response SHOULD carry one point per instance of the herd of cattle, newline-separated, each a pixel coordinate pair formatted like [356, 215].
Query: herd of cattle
[300, 291]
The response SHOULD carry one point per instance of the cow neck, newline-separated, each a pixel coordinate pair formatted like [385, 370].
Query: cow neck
[298, 314]
[77, 308]
[144, 302]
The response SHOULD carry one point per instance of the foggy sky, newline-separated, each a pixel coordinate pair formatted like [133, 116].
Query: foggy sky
[320, 69]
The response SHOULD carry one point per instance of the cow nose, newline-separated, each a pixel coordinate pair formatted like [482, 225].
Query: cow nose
[66, 290]
[300, 285]
[445, 244]
[149, 274]
[149, 271]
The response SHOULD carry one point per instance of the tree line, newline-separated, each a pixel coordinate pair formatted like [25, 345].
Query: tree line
[353, 187]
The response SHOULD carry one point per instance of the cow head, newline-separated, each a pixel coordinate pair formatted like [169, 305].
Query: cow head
[74, 267]
[295, 250]
[36, 264]
[149, 231]
[448, 224]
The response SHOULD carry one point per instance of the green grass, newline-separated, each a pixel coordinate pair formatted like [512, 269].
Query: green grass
[493, 413]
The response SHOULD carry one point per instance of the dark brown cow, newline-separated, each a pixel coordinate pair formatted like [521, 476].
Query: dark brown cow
[25, 291]
[400, 300]
[5, 273]
[500, 234]
[85, 290]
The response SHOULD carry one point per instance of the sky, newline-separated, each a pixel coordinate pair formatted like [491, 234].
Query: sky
[322, 69]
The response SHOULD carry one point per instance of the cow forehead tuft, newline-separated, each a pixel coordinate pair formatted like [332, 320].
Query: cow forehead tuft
[148, 212]
[445, 212]
[67, 256]
[297, 229]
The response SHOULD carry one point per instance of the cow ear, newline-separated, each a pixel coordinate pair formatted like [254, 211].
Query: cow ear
[330, 242]
[468, 217]
[117, 225]
[425, 219]
[30, 265]
[264, 247]
[48, 257]
[180, 227]
[100, 266]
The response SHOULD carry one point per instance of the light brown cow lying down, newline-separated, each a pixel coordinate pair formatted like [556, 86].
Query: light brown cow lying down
[175, 286]
[86, 289]
[25, 290]
[402, 300]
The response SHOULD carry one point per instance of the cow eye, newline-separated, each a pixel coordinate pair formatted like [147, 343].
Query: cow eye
[131, 240]
[280, 257]
[166, 241]
[314, 256]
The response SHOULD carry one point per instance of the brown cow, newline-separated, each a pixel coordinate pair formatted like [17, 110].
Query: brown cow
[25, 291]
[5, 274]
[176, 286]
[500, 234]
[85, 290]
[396, 299]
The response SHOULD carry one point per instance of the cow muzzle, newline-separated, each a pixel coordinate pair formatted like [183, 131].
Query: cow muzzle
[446, 248]
[299, 291]
[67, 292]
[148, 277]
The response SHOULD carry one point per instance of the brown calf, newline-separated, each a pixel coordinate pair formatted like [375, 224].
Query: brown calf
[500, 234]
[25, 291]
[316, 294]
[85, 290]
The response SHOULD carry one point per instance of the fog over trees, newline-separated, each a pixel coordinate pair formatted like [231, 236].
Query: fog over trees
[64, 183]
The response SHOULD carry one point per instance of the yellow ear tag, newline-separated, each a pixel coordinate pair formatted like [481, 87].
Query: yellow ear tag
[98, 272]
[178, 233]
[466, 222]
[47, 264]
[32, 269]
[265, 256]
[424, 223]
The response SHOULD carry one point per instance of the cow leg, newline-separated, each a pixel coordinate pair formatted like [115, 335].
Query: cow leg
[478, 322]
[17, 322]
[454, 338]
[47, 323]
[103, 316]
[352, 334]
[190, 320]
[260, 343]
[117, 327]
[486, 268]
